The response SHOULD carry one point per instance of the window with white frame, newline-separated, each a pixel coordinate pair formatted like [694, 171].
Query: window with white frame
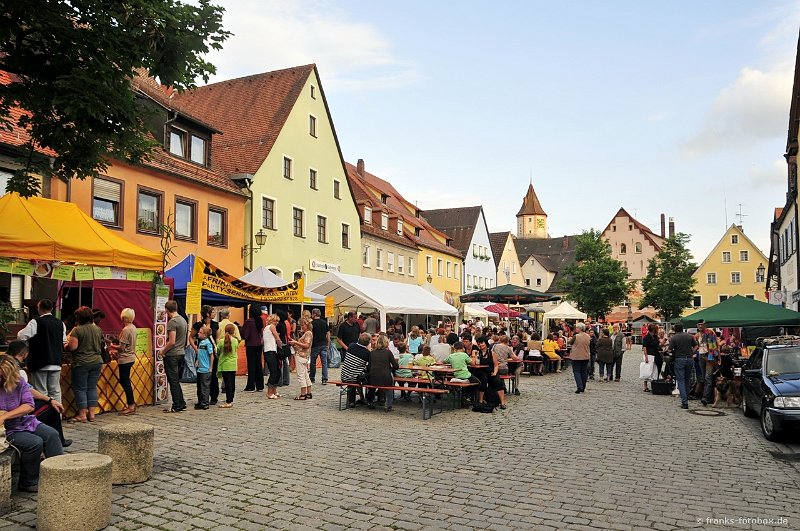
[345, 236]
[410, 266]
[736, 277]
[107, 201]
[711, 278]
[365, 255]
[312, 178]
[734, 239]
[337, 194]
[726, 257]
[287, 168]
[390, 262]
[400, 227]
[469, 281]
[475, 250]
[449, 269]
[322, 229]
[455, 271]
[367, 215]
[297, 222]
[637, 248]
[744, 256]
[429, 264]
[440, 267]
[384, 221]
[401, 264]
[513, 267]
[268, 213]
[378, 258]
[312, 125]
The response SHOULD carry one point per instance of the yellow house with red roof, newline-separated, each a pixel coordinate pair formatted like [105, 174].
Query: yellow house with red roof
[279, 142]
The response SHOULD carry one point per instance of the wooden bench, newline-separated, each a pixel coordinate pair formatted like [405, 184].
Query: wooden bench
[427, 394]
[458, 390]
[510, 381]
[532, 365]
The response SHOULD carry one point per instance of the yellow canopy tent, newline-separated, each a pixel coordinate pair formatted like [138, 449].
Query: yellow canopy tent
[43, 229]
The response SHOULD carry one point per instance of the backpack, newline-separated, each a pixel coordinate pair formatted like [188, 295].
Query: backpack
[483, 408]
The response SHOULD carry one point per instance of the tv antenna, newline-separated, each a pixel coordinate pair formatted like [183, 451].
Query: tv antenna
[740, 215]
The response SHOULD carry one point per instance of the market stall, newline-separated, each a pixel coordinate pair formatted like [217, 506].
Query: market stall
[58, 242]
[382, 296]
[565, 312]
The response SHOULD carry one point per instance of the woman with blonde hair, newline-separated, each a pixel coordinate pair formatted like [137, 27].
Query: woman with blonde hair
[29, 436]
[414, 341]
[226, 349]
[125, 352]
[302, 355]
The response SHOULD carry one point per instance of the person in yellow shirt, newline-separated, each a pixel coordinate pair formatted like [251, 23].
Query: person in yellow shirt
[549, 347]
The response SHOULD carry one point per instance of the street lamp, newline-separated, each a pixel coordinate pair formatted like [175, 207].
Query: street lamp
[429, 279]
[760, 272]
[260, 238]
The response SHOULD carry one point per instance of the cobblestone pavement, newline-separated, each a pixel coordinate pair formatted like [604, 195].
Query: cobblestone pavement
[612, 458]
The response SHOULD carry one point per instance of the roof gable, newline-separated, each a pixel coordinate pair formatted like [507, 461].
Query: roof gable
[498, 241]
[251, 112]
[733, 229]
[656, 240]
[458, 223]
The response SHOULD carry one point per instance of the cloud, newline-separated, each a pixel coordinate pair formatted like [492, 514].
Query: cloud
[774, 175]
[274, 34]
[754, 108]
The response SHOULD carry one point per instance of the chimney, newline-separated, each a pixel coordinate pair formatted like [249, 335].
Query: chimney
[671, 227]
[565, 244]
[663, 225]
[360, 167]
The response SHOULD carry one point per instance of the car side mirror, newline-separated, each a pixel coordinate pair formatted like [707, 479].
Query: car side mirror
[752, 372]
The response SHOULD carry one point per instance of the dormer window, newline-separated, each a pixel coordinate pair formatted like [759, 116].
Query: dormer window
[384, 221]
[188, 146]
[177, 142]
[400, 227]
[417, 213]
[367, 216]
[384, 198]
[198, 150]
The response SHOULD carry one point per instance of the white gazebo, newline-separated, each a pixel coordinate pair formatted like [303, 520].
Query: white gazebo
[564, 311]
[382, 296]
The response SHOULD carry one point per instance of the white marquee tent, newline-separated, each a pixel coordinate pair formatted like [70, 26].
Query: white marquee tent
[261, 276]
[563, 311]
[383, 296]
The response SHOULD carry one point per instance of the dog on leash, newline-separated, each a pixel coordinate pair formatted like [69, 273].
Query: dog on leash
[725, 390]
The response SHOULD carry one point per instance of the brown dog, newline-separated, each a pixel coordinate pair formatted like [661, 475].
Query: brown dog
[727, 391]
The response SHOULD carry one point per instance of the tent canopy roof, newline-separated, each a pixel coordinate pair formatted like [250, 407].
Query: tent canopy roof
[382, 295]
[509, 293]
[740, 311]
[564, 311]
[44, 229]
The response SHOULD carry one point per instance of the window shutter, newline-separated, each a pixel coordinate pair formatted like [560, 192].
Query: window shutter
[108, 190]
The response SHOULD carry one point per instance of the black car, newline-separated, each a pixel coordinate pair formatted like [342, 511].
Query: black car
[771, 385]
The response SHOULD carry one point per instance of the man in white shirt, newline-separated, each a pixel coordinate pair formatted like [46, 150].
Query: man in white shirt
[46, 337]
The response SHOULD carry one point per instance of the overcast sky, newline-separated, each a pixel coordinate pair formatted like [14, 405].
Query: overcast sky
[678, 107]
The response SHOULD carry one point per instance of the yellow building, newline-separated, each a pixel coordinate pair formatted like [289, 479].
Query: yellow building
[278, 138]
[531, 217]
[506, 260]
[734, 267]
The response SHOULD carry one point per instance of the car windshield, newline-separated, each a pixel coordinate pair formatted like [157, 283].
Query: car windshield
[783, 361]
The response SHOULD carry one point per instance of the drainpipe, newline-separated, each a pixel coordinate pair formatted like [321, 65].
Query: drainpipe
[250, 192]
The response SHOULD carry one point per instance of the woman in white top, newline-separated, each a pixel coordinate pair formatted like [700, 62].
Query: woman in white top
[272, 342]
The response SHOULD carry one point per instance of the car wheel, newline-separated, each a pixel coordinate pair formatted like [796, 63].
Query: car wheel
[768, 427]
[746, 409]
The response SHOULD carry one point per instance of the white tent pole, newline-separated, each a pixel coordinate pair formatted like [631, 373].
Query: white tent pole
[383, 319]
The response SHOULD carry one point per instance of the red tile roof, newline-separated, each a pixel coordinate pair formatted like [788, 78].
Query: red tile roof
[250, 111]
[396, 202]
[15, 135]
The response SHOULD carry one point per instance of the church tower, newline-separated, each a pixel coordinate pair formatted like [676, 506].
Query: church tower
[531, 218]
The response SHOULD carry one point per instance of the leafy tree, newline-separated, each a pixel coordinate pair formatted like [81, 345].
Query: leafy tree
[596, 281]
[71, 63]
[669, 285]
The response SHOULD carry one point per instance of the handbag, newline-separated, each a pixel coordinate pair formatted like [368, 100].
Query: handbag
[104, 352]
[286, 352]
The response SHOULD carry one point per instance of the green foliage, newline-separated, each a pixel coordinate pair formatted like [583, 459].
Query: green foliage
[669, 285]
[72, 63]
[596, 281]
[8, 315]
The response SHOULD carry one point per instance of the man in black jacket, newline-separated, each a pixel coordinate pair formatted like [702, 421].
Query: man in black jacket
[46, 337]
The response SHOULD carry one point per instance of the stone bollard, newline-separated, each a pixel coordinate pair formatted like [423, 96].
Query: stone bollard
[74, 493]
[6, 460]
[130, 446]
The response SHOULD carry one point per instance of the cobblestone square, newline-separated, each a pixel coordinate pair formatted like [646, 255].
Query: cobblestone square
[612, 458]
